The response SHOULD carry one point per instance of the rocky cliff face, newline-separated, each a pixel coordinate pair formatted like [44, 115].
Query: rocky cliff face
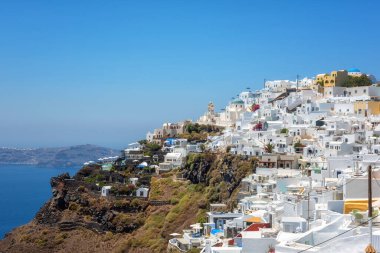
[221, 174]
[78, 203]
[77, 219]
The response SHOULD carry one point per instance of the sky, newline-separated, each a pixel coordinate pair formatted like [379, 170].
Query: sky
[106, 72]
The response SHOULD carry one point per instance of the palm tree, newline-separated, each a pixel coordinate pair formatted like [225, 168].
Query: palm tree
[269, 148]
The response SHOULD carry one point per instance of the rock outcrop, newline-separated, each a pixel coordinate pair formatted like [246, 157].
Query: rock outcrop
[78, 219]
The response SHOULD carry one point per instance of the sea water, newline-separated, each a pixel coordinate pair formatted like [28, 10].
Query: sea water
[23, 191]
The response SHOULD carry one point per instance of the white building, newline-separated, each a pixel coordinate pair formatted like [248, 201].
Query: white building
[106, 191]
[142, 192]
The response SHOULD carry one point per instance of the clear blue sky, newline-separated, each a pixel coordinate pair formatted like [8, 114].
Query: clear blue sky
[105, 72]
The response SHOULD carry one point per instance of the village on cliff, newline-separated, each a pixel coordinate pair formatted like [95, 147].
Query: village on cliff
[317, 144]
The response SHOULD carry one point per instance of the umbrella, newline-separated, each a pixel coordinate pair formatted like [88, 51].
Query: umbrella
[142, 165]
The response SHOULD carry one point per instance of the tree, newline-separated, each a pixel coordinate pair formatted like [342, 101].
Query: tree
[357, 81]
[269, 148]
[153, 147]
[143, 142]
[284, 131]
[299, 147]
[320, 83]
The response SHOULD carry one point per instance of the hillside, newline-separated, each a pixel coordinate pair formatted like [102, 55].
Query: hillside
[61, 156]
[78, 219]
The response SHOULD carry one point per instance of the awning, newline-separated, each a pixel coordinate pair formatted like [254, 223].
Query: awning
[254, 220]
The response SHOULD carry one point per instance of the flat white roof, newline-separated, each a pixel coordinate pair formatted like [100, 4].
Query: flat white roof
[293, 219]
[218, 205]
[173, 155]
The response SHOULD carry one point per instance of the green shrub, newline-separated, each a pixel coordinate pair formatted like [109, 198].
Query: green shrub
[73, 206]
[357, 81]
[41, 242]
[284, 131]
[174, 201]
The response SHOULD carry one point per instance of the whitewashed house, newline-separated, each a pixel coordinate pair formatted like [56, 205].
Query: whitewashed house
[105, 192]
[142, 192]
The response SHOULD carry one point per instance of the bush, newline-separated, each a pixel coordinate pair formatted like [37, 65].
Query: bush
[73, 206]
[357, 81]
[108, 236]
[152, 147]
[284, 131]
[143, 142]
[124, 189]
[121, 203]
[299, 145]
[41, 242]
[136, 203]
[60, 238]
[174, 201]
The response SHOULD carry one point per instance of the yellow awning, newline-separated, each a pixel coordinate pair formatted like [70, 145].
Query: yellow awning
[357, 204]
[254, 220]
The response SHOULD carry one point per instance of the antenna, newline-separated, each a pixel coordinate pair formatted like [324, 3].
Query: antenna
[370, 203]
[297, 82]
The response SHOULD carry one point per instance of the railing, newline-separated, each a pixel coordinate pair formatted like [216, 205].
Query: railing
[173, 245]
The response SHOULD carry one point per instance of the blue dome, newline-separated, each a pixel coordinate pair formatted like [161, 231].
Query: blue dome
[353, 70]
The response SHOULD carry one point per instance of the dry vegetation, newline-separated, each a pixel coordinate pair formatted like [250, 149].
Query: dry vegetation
[212, 178]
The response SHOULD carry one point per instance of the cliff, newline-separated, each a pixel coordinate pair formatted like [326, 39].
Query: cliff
[77, 219]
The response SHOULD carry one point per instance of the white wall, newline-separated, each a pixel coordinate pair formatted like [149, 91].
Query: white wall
[357, 188]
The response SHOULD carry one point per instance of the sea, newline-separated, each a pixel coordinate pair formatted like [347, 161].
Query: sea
[23, 191]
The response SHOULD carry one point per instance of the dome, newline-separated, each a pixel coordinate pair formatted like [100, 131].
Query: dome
[237, 101]
[353, 70]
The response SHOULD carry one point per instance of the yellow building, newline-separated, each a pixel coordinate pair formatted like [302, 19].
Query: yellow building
[366, 108]
[335, 78]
